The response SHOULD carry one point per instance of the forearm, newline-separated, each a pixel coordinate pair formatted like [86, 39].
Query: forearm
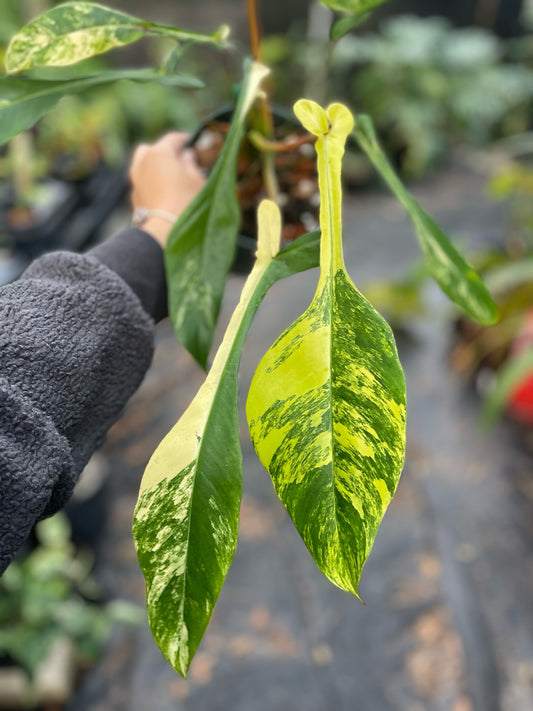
[75, 344]
[137, 258]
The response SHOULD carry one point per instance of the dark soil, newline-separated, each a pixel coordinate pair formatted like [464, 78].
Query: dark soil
[296, 173]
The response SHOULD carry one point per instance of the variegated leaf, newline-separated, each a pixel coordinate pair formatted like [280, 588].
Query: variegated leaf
[73, 31]
[458, 279]
[326, 407]
[201, 245]
[24, 101]
[186, 519]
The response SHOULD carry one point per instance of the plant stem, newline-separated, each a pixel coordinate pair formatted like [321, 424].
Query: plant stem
[269, 172]
[254, 29]
[263, 144]
[21, 150]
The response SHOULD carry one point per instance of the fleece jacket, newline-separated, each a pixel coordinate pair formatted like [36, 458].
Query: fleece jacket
[76, 339]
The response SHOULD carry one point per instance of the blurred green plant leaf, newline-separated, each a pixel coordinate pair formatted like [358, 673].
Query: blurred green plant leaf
[201, 245]
[358, 11]
[353, 7]
[73, 31]
[510, 376]
[401, 300]
[445, 263]
[341, 27]
[24, 101]
[43, 599]
[326, 407]
[186, 520]
[511, 275]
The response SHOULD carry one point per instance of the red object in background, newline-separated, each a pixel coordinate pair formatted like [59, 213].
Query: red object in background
[520, 405]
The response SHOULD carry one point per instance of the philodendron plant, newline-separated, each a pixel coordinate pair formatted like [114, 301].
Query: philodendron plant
[326, 407]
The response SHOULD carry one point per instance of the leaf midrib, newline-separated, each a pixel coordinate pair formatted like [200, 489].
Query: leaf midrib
[70, 84]
[331, 287]
[232, 354]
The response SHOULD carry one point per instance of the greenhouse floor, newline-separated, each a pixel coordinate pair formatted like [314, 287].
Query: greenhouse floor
[447, 623]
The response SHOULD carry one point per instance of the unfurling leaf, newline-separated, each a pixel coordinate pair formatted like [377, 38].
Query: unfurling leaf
[201, 245]
[445, 263]
[186, 519]
[326, 407]
[24, 101]
[74, 31]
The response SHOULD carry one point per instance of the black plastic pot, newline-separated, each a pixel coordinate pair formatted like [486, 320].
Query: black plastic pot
[246, 244]
[99, 195]
[72, 220]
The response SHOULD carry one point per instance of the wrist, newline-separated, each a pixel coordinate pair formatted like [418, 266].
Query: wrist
[158, 228]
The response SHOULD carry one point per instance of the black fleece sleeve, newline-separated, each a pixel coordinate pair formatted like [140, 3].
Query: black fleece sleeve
[76, 339]
[138, 259]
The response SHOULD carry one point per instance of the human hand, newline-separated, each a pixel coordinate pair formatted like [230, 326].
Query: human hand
[164, 176]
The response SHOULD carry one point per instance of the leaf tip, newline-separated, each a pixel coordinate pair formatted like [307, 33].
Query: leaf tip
[493, 315]
[340, 119]
[222, 34]
[485, 311]
[336, 120]
[269, 231]
[312, 116]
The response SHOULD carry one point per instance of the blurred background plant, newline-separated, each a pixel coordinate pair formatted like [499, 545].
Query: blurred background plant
[428, 85]
[498, 358]
[49, 594]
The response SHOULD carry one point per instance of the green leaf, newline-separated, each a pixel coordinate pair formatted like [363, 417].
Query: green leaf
[326, 408]
[24, 101]
[447, 266]
[201, 245]
[73, 31]
[511, 275]
[510, 376]
[353, 7]
[346, 24]
[186, 519]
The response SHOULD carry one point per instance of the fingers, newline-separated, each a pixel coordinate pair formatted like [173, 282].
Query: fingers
[190, 164]
[164, 176]
[174, 140]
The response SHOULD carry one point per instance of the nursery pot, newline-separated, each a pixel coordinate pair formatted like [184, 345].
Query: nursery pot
[99, 194]
[296, 173]
[51, 687]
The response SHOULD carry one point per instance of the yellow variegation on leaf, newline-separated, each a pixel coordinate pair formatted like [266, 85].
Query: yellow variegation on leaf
[326, 407]
[76, 30]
